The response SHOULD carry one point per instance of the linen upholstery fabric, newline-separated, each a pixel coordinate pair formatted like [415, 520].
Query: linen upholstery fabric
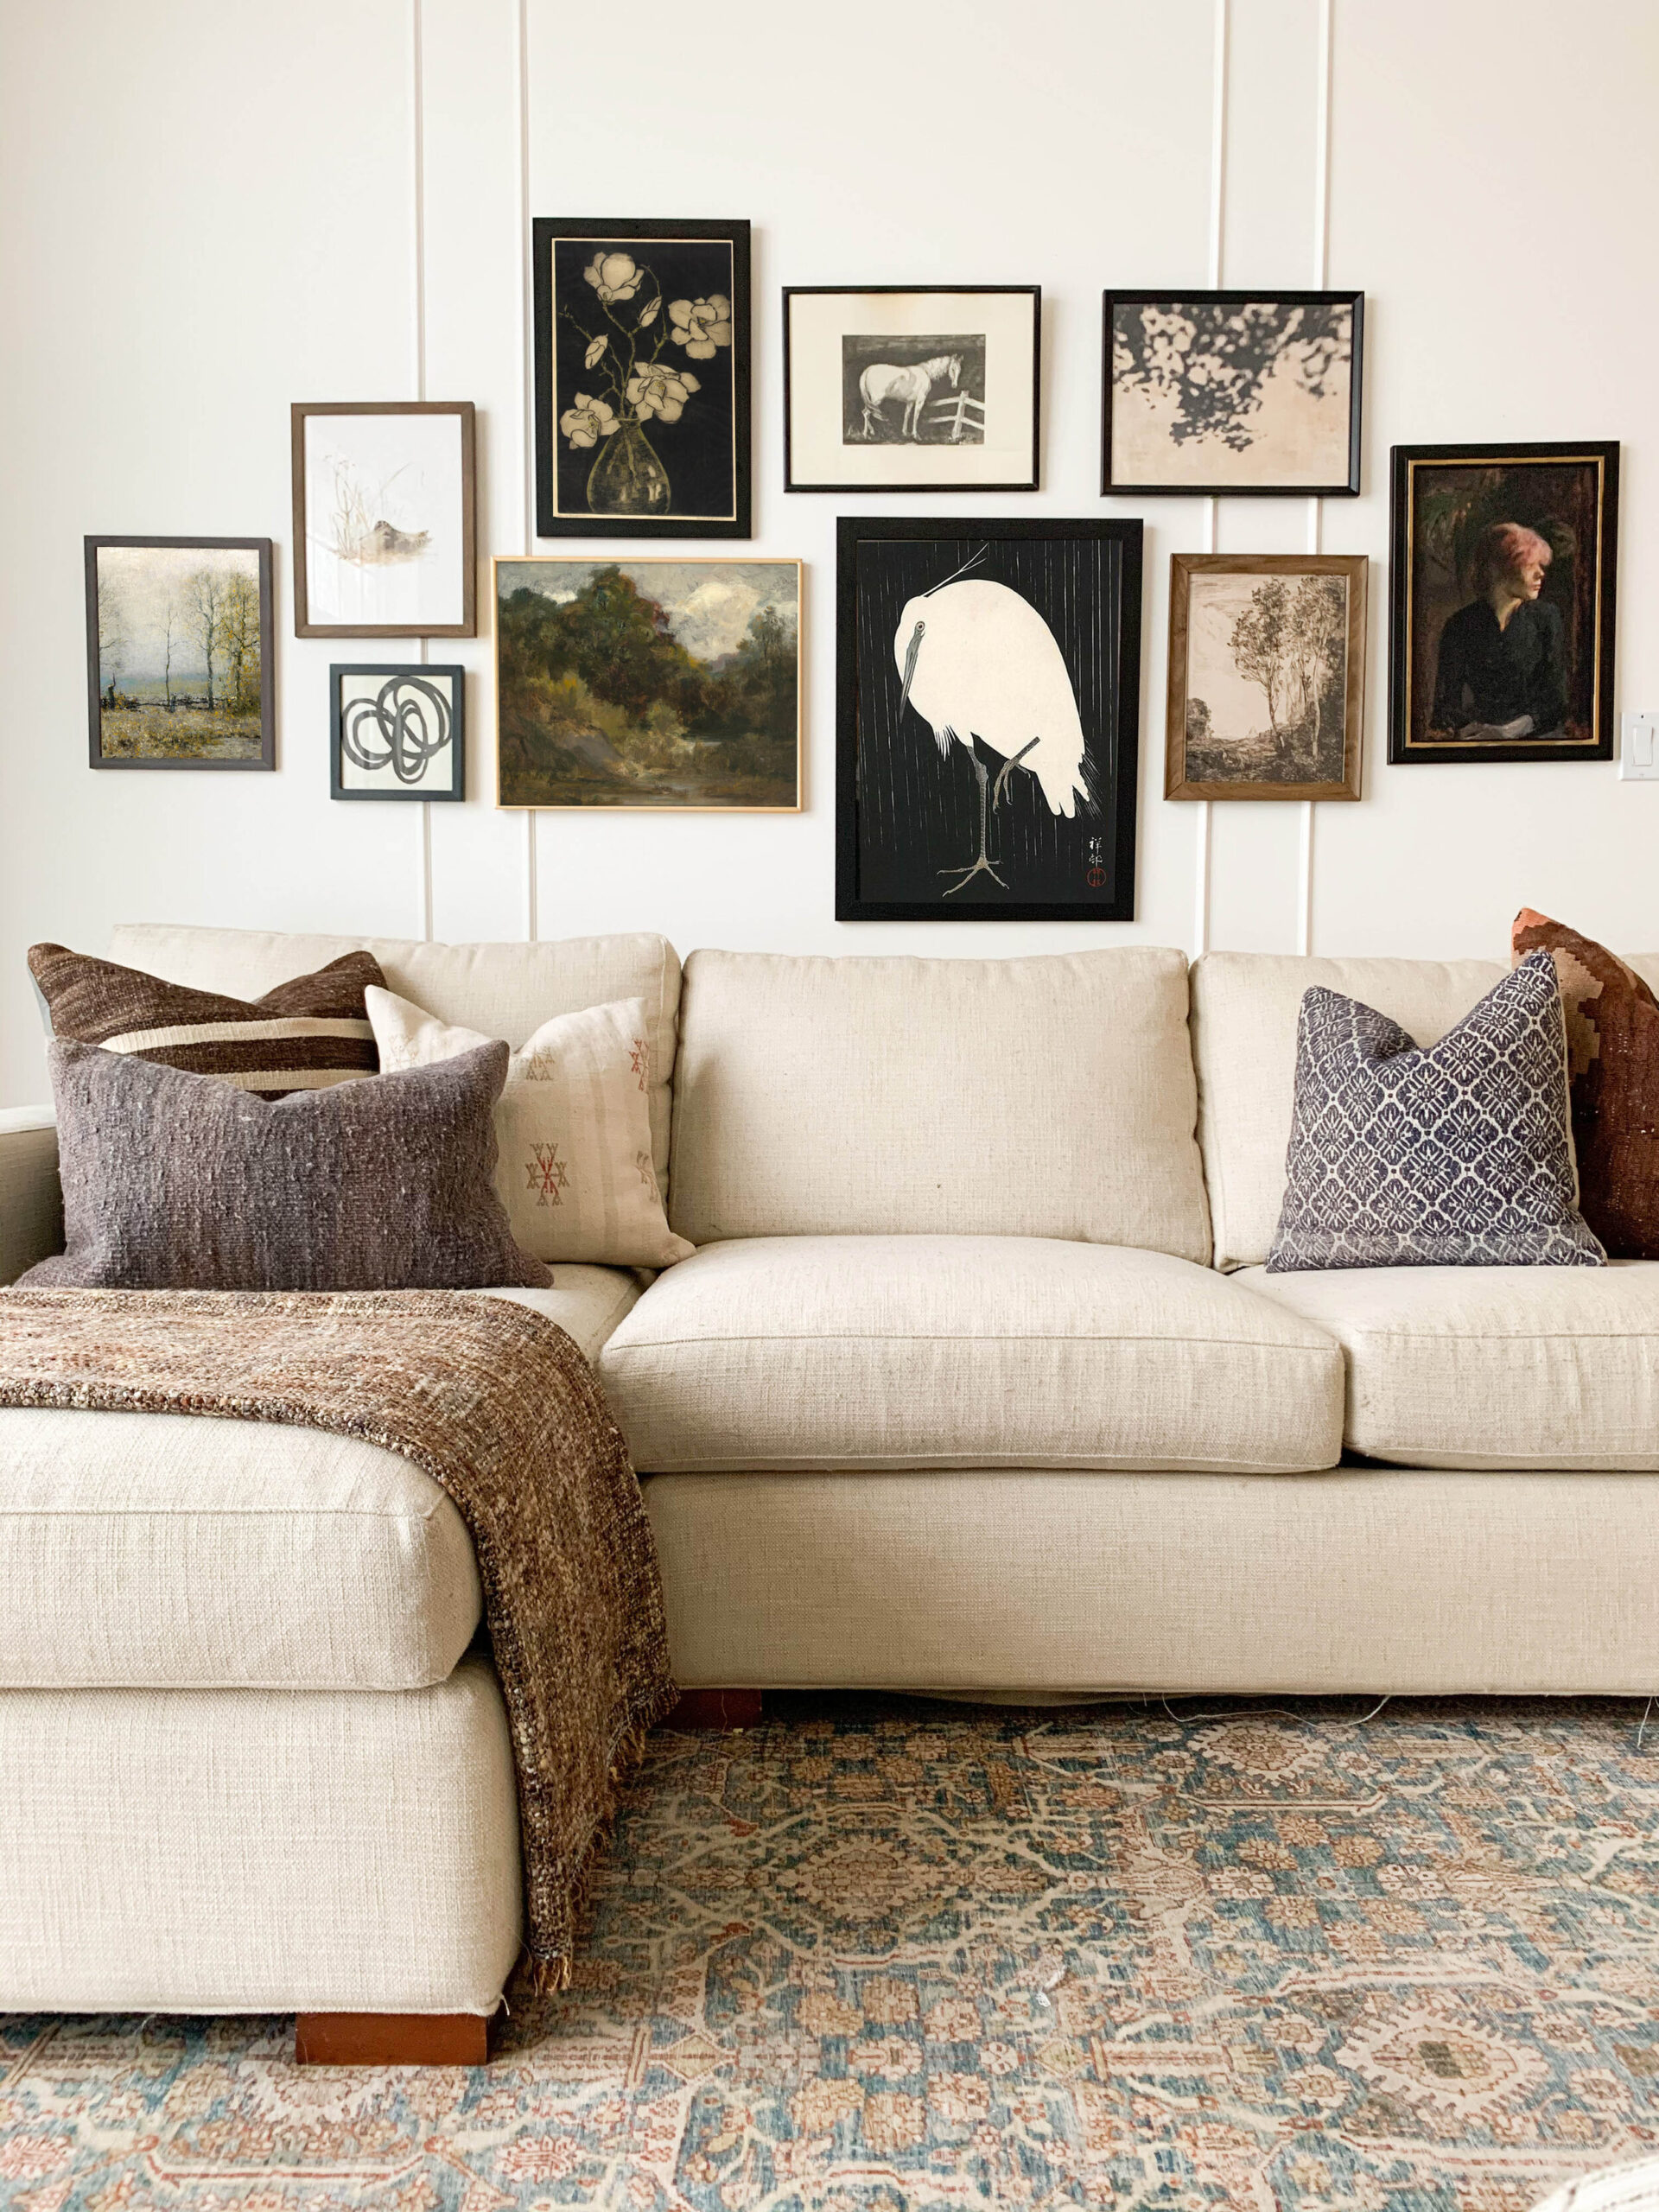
[896, 1352]
[493, 1403]
[1245, 1009]
[1612, 1048]
[130, 1543]
[251, 1851]
[307, 1033]
[1491, 1367]
[501, 990]
[31, 1198]
[1034, 1580]
[1458, 1155]
[573, 1128]
[172, 1181]
[1042, 1097]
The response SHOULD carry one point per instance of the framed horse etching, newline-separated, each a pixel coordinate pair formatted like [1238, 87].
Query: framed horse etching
[912, 387]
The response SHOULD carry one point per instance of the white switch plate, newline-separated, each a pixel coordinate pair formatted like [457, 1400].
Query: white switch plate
[1639, 751]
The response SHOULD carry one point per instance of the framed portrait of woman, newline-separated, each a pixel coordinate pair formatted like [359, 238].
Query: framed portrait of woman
[1501, 622]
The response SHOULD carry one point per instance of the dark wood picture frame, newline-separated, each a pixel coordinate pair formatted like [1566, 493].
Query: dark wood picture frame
[418, 673]
[1347, 487]
[545, 232]
[301, 412]
[1034, 292]
[1594, 599]
[262, 546]
[1106, 841]
[1354, 568]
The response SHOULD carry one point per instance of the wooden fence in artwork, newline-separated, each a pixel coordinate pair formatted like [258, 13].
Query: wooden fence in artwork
[961, 412]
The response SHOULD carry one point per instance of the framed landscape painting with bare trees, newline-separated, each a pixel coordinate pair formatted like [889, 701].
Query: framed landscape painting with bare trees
[179, 652]
[1267, 675]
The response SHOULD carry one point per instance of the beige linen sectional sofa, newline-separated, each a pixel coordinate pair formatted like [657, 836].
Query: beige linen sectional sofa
[975, 1384]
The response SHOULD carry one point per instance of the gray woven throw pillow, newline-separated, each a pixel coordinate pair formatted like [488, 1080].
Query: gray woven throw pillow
[174, 1181]
[1458, 1154]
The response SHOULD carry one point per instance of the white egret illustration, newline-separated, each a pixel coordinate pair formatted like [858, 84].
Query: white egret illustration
[978, 661]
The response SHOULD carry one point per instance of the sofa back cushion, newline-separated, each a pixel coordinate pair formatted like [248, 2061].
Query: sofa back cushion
[1044, 1097]
[502, 990]
[1245, 1007]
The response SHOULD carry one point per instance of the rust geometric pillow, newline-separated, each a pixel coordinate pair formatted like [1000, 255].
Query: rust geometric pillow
[308, 1035]
[1612, 1046]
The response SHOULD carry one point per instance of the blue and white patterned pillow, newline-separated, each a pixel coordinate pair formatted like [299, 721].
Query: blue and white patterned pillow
[1458, 1154]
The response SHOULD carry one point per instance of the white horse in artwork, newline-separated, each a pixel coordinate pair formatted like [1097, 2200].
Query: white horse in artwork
[881, 382]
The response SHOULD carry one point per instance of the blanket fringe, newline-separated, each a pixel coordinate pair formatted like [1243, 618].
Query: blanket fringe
[550, 1976]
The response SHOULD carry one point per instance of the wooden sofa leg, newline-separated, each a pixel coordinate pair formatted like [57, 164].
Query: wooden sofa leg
[716, 1709]
[391, 2039]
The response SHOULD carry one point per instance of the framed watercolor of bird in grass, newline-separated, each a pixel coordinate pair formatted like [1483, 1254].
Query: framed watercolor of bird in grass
[988, 708]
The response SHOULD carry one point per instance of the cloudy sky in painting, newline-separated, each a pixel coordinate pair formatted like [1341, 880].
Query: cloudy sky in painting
[140, 582]
[709, 604]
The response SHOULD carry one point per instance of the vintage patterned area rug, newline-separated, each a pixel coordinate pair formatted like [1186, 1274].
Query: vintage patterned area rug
[886, 1957]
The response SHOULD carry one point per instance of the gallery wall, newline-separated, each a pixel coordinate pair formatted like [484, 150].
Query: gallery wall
[208, 211]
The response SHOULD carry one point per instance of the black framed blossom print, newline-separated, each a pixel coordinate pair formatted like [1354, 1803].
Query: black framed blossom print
[1240, 392]
[988, 705]
[1500, 624]
[642, 379]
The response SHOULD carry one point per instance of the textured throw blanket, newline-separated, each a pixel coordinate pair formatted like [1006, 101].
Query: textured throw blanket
[497, 1405]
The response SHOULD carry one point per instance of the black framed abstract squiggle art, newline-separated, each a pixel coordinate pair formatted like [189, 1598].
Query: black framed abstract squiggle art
[988, 709]
[398, 732]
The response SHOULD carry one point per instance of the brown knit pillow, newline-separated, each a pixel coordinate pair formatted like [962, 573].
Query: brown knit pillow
[305, 1034]
[1613, 1045]
[175, 1182]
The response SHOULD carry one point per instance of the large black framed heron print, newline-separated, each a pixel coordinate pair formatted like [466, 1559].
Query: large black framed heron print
[988, 709]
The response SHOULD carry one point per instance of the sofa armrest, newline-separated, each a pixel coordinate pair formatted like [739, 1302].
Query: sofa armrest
[31, 1200]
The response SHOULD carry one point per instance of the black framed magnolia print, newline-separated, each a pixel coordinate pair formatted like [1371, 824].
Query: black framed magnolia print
[1267, 676]
[396, 731]
[649, 682]
[987, 701]
[1220, 392]
[384, 505]
[912, 387]
[1501, 620]
[642, 379]
[179, 660]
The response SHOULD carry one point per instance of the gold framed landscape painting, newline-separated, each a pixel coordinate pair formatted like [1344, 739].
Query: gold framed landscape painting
[1267, 676]
[654, 683]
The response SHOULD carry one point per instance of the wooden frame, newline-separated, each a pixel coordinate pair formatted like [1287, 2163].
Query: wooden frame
[645, 559]
[1261, 294]
[1354, 568]
[418, 674]
[1033, 292]
[1597, 623]
[608, 233]
[1106, 854]
[262, 546]
[463, 410]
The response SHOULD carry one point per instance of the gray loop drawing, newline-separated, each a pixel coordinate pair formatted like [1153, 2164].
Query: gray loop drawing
[403, 727]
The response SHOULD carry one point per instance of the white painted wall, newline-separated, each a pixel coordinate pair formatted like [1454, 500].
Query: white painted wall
[208, 210]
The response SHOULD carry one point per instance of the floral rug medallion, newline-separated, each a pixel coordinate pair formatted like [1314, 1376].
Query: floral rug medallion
[880, 1956]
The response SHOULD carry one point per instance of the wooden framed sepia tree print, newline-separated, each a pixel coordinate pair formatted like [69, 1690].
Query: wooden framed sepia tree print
[1267, 676]
[179, 660]
[1232, 392]
[384, 505]
[988, 703]
[642, 379]
[912, 387]
[1501, 620]
[657, 683]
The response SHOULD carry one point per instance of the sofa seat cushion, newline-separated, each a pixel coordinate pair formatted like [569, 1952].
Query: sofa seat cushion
[973, 1351]
[175, 1551]
[1490, 1367]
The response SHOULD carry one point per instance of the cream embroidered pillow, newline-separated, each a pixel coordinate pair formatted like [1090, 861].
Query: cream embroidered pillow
[573, 1124]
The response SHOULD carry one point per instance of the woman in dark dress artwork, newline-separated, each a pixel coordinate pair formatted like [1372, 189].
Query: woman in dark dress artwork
[1502, 672]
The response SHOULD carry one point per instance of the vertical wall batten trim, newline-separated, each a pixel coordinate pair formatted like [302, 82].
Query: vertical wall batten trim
[526, 386]
[417, 297]
[1218, 191]
[1316, 508]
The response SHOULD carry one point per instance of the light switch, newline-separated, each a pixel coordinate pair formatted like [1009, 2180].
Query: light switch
[1638, 753]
